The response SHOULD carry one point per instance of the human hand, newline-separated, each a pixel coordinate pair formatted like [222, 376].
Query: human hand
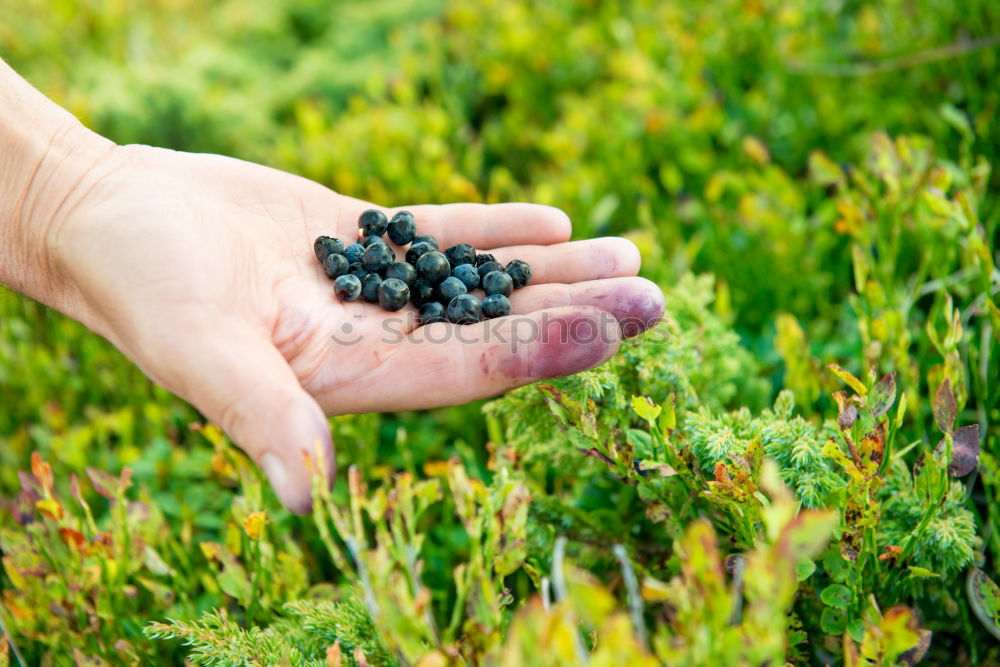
[200, 269]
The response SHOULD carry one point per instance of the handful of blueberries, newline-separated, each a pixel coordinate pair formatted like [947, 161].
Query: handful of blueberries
[439, 284]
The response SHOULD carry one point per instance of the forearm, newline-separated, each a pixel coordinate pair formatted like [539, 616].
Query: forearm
[45, 155]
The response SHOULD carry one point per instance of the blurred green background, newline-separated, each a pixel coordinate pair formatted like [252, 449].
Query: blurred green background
[699, 130]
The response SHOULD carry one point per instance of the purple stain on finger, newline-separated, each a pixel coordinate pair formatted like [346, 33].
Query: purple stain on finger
[635, 309]
[565, 344]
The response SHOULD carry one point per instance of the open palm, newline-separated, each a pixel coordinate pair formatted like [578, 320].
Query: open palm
[200, 268]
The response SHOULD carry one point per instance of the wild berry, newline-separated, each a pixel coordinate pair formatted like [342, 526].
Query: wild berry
[347, 287]
[368, 240]
[373, 222]
[488, 267]
[378, 257]
[496, 305]
[326, 246]
[393, 294]
[422, 292]
[431, 312]
[433, 267]
[460, 253]
[428, 239]
[467, 274]
[358, 269]
[354, 252]
[402, 229]
[498, 282]
[450, 288]
[464, 309]
[402, 271]
[483, 258]
[369, 287]
[520, 272]
[418, 250]
[335, 265]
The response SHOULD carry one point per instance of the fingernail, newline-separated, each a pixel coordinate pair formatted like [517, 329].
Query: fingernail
[274, 468]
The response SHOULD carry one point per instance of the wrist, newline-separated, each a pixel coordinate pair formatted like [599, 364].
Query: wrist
[45, 157]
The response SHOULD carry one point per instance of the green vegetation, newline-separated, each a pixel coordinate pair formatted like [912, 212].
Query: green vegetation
[811, 184]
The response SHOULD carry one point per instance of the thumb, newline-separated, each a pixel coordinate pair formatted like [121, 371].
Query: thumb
[240, 381]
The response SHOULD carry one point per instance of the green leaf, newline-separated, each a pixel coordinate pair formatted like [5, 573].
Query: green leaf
[837, 595]
[823, 170]
[645, 408]
[957, 120]
[856, 629]
[945, 408]
[853, 382]
[938, 203]
[920, 572]
[804, 569]
[882, 395]
[833, 621]
[984, 597]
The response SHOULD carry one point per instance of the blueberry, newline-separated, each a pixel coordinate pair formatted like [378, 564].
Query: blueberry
[378, 257]
[422, 292]
[520, 273]
[335, 265]
[431, 312]
[373, 222]
[433, 267]
[464, 309]
[418, 250]
[428, 239]
[460, 253]
[369, 287]
[326, 246]
[498, 282]
[358, 269]
[368, 240]
[402, 271]
[484, 257]
[347, 287]
[496, 305]
[393, 294]
[354, 252]
[467, 274]
[402, 229]
[450, 288]
[488, 267]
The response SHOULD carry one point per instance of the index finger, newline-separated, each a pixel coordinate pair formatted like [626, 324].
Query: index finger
[480, 225]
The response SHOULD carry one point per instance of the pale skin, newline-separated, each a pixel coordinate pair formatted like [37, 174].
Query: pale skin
[200, 269]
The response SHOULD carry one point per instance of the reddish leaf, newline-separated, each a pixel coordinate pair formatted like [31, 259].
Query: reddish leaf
[42, 471]
[104, 483]
[964, 451]
[945, 408]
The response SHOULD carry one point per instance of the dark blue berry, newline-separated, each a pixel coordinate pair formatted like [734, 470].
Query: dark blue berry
[369, 287]
[433, 267]
[464, 309]
[484, 257]
[368, 240]
[520, 273]
[358, 269]
[450, 288]
[326, 246]
[422, 292]
[402, 271]
[488, 267]
[496, 305]
[354, 252]
[428, 239]
[347, 287]
[393, 294]
[378, 257]
[460, 253]
[335, 265]
[498, 282]
[467, 274]
[373, 222]
[431, 312]
[418, 250]
[402, 229]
